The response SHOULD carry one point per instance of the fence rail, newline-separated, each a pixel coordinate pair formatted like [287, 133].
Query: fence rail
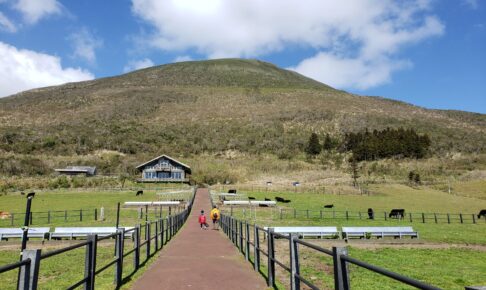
[239, 233]
[323, 214]
[163, 228]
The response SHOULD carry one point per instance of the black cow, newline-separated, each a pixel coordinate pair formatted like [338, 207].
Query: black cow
[329, 206]
[482, 213]
[140, 192]
[232, 191]
[267, 199]
[251, 197]
[286, 201]
[262, 205]
[371, 214]
[279, 199]
[398, 213]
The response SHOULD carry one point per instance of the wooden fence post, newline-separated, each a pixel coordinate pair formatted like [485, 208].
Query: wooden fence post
[460, 216]
[271, 259]
[294, 263]
[29, 274]
[247, 241]
[147, 235]
[256, 249]
[119, 245]
[341, 277]
[48, 216]
[136, 245]
[90, 262]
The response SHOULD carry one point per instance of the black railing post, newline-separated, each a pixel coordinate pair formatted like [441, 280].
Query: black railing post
[90, 262]
[147, 235]
[423, 218]
[156, 235]
[448, 219]
[29, 274]
[48, 216]
[81, 215]
[117, 215]
[95, 214]
[340, 268]
[241, 236]
[247, 241]
[294, 263]
[162, 228]
[460, 217]
[256, 249]
[271, 259]
[136, 245]
[119, 245]
[65, 215]
[474, 219]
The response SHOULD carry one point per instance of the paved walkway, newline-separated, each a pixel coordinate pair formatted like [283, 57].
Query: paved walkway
[200, 259]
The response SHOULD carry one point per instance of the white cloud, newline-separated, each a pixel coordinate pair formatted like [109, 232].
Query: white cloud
[473, 4]
[182, 58]
[22, 69]
[85, 44]
[367, 34]
[138, 64]
[34, 10]
[6, 24]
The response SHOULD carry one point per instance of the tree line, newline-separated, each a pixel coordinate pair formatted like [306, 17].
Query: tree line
[366, 145]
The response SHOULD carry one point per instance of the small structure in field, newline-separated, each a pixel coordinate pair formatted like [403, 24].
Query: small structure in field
[77, 170]
[164, 169]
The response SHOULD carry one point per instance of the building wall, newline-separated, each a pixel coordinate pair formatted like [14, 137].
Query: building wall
[171, 170]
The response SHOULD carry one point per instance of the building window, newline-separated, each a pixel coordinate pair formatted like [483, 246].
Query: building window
[176, 175]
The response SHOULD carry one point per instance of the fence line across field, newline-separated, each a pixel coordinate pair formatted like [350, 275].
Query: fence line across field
[240, 233]
[163, 228]
[420, 217]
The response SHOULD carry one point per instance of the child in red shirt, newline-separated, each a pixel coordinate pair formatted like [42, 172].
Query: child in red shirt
[202, 221]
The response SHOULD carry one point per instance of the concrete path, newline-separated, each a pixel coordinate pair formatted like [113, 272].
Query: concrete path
[200, 259]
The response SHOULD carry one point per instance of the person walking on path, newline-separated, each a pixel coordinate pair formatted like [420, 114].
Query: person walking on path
[215, 215]
[202, 221]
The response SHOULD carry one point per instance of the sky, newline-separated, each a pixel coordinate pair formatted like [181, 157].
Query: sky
[431, 53]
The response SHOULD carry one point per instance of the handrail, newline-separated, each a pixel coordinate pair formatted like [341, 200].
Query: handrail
[63, 250]
[15, 265]
[233, 227]
[165, 229]
[388, 273]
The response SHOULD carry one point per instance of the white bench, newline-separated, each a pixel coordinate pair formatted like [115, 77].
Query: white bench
[379, 232]
[318, 232]
[250, 202]
[6, 233]
[83, 232]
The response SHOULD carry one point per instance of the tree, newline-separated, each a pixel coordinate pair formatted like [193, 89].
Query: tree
[313, 147]
[328, 143]
[411, 176]
[417, 178]
[354, 170]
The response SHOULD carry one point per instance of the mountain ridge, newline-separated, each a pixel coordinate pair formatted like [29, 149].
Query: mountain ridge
[211, 106]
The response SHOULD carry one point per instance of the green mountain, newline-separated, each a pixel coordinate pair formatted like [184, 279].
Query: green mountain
[211, 106]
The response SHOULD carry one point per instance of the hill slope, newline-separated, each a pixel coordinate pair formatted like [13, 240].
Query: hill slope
[211, 106]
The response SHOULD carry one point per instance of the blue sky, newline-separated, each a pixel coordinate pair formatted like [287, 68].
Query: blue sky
[426, 52]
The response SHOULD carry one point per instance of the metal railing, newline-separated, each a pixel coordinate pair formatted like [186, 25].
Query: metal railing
[412, 217]
[165, 229]
[239, 233]
[52, 216]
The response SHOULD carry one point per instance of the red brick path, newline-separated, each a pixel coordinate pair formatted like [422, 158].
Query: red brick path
[200, 259]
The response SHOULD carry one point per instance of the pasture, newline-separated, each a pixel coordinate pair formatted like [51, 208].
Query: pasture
[450, 256]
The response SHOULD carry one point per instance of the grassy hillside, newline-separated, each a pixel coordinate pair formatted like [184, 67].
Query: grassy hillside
[209, 107]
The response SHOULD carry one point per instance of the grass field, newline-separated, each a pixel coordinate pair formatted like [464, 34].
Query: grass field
[449, 256]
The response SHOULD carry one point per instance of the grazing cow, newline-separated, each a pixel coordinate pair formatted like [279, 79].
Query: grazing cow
[329, 206]
[279, 199]
[267, 199]
[140, 192]
[482, 213]
[251, 197]
[398, 213]
[286, 201]
[371, 214]
[232, 191]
